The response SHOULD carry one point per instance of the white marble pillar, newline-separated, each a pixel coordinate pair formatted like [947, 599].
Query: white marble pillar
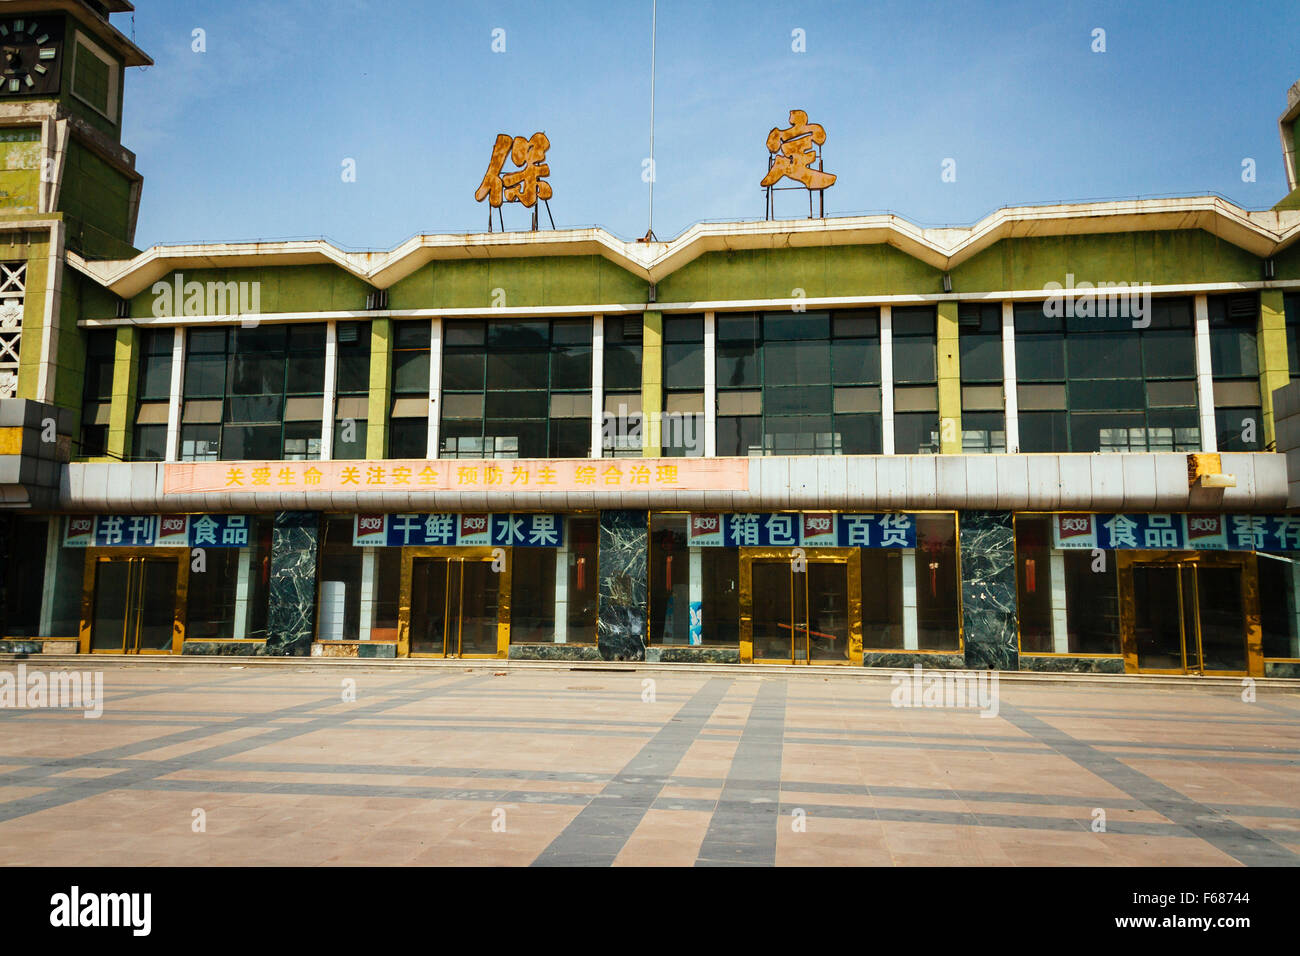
[887, 386]
[369, 563]
[710, 384]
[1010, 397]
[1060, 629]
[243, 577]
[911, 635]
[1205, 376]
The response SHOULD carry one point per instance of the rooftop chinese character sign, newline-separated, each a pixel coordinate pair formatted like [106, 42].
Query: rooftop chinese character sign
[525, 185]
[791, 154]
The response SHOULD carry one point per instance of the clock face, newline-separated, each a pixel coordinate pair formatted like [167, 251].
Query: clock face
[31, 56]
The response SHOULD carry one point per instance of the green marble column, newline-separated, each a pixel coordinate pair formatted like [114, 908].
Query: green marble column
[622, 584]
[291, 611]
[988, 590]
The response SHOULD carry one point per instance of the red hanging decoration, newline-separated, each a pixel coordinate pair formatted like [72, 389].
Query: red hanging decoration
[1031, 577]
[934, 579]
[580, 566]
[668, 573]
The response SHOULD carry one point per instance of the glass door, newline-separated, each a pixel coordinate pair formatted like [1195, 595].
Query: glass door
[133, 601]
[455, 602]
[801, 609]
[1190, 614]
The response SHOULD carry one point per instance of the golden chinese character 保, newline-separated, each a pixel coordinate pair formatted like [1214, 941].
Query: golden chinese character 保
[793, 153]
[527, 184]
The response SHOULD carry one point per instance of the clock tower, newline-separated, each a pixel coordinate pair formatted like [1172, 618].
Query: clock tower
[68, 188]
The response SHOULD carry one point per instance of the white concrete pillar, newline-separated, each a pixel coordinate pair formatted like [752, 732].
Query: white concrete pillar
[175, 397]
[243, 579]
[1060, 629]
[562, 590]
[887, 391]
[369, 563]
[911, 639]
[1010, 398]
[710, 384]
[331, 390]
[597, 387]
[1205, 375]
[435, 387]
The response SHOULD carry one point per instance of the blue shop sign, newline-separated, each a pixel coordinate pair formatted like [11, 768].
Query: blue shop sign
[459, 530]
[1176, 532]
[156, 531]
[806, 530]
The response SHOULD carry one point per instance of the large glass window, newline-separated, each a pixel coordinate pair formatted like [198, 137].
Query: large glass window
[677, 572]
[97, 392]
[622, 427]
[1234, 360]
[352, 387]
[983, 416]
[682, 429]
[228, 599]
[153, 391]
[254, 393]
[1089, 384]
[916, 392]
[408, 427]
[516, 389]
[1067, 600]
[799, 383]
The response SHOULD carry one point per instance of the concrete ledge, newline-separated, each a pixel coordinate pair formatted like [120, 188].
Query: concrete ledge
[1136, 682]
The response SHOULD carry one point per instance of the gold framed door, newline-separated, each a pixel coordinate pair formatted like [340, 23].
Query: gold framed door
[1190, 613]
[133, 600]
[809, 613]
[454, 603]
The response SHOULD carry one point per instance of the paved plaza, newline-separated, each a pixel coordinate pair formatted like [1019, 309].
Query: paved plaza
[495, 764]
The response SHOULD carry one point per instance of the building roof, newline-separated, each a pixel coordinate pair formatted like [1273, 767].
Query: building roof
[1262, 233]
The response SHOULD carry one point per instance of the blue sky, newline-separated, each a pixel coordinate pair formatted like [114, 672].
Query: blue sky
[248, 139]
